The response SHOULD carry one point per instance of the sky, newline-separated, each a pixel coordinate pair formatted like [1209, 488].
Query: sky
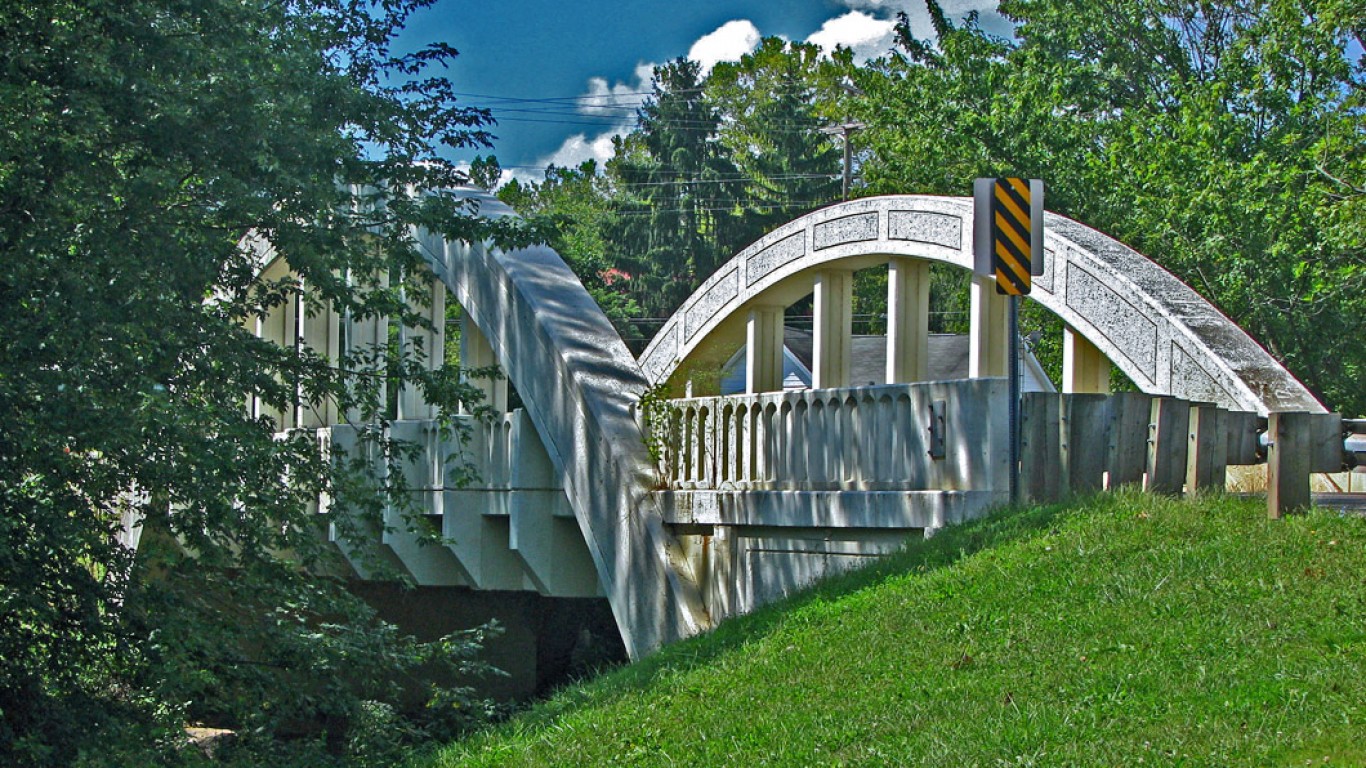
[562, 77]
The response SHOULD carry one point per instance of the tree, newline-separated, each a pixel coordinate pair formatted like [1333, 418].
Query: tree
[674, 182]
[772, 101]
[140, 143]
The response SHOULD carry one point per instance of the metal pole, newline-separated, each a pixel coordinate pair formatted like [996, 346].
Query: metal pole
[1013, 336]
[843, 130]
[848, 161]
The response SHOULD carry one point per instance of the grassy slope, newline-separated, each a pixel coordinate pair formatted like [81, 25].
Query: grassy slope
[1124, 631]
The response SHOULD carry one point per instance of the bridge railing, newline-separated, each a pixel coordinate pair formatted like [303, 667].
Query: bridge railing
[954, 436]
[903, 437]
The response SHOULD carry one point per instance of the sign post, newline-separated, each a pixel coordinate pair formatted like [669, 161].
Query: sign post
[1008, 246]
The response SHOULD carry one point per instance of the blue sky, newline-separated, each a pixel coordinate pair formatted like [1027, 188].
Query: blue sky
[564, 77]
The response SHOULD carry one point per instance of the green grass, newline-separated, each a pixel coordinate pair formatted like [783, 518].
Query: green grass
[1126, 630]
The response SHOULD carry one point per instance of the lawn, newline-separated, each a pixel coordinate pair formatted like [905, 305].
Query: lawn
[1122, 630]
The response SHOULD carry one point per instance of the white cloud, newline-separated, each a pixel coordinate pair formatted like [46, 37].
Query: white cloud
[920, 18]
[617, 102]
[578, 148]
[617, 99]
[867, 28]
[728, 42]
[867, 35]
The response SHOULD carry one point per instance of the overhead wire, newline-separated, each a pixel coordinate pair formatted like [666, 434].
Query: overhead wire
[604, 110]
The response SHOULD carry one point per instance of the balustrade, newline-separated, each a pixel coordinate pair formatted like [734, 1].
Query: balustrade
[865, 438]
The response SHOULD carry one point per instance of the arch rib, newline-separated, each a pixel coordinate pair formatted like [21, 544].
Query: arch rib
[579, 385]
[1160, 332]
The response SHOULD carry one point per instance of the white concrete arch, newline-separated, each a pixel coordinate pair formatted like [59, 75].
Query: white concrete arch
[1160, 332]
[579, 385]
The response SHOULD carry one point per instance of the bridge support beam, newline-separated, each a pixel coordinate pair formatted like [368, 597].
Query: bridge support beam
[989, 342]
[1085, 369]
[764, 350]
[475, 352]
[908, 321]
[832, 328]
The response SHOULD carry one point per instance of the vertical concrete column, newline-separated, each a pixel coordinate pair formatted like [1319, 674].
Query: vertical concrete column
[764, 350]
[908, 320]
[367, 339]
[320, 332]
[1085, 369]
[258, 329]
[475, 353]
[292, 336]
[833, 327]
[411, 404]
[988, 346]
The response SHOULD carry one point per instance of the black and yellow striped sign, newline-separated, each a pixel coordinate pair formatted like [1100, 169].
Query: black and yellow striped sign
[1008, 232]
[1011, 236]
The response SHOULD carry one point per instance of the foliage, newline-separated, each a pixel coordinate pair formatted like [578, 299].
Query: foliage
[1223, 139]
[1121, 630]
[677, 182]
[140, 142]
[773, 101]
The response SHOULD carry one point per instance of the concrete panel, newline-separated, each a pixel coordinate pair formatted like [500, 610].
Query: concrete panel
[477, 528]
[551, 546]
[771, 564]
[412, 537]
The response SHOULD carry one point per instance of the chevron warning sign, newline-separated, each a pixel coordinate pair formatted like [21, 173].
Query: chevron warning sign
[1010, 236]
[1009, 246]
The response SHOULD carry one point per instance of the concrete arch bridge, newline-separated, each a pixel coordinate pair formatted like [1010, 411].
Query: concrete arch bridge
[681, 512]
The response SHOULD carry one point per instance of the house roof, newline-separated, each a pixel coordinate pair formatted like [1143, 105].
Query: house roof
[868, 356]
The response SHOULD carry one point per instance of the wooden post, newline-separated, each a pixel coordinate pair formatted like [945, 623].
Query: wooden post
[1168, 434]
[1300, 443]
[1130, 414]
[1207, 454]
[1087, 439]
[1043, 466]
[1242, 447]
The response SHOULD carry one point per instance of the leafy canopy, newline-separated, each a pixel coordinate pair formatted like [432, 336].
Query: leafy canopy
[140, 142]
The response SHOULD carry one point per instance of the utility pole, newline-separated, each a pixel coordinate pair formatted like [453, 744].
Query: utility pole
[844, 129]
